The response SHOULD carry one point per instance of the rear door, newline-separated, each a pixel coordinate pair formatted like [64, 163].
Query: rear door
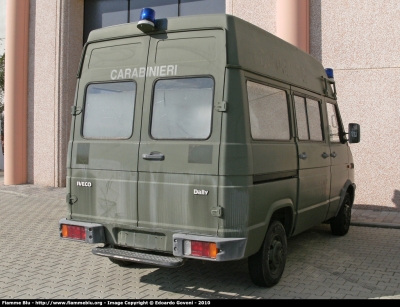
[106, 131]
[180, 136]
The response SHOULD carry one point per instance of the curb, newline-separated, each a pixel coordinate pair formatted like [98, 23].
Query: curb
[377, 225]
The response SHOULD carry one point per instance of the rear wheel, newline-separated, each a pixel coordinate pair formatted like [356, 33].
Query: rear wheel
[340, 224]
[267, 265]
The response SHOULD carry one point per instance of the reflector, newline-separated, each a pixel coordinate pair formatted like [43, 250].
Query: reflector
[213, 250]
[187, 247]
[64, 231]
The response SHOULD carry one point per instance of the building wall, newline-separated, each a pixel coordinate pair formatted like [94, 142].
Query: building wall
[360, 40]
[262, 13]
[2, 26]
[2, 49]
[55, 46]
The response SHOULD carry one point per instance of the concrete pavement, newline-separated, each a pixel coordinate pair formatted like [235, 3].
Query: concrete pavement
[35, 263]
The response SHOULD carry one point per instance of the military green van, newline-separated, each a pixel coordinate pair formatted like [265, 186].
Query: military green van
[204, 138]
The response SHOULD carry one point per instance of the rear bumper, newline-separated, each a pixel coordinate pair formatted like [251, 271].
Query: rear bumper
[228, 248]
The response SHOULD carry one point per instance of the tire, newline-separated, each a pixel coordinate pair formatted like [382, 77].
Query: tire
[122, 263]
[267, 265]
[340, 224]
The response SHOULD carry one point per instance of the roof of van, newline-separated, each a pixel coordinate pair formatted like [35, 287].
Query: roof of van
[248, 47]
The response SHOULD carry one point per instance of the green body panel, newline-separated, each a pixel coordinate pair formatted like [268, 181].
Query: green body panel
[166, 198]
[225, 184]
[314, 175]
[110, 165]
[235, 152]
[110, 199]
[340, 160]
[247, 207]
[351, 162]
[167, 201]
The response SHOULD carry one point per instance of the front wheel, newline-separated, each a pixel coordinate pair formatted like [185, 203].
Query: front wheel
[267, 265]
[340, 224]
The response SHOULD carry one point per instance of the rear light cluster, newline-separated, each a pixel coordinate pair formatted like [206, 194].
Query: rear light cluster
[73, 232]
[200, 249]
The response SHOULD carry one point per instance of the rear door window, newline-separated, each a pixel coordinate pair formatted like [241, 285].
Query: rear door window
[109, 110]
[182, 108]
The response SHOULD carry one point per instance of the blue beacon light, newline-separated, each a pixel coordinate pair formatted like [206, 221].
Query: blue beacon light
[329, 72]
[147, 20]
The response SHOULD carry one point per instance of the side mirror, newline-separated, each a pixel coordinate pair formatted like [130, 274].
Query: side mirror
[354, 133]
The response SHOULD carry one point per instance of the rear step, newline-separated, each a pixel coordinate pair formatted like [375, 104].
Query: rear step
[126, 255]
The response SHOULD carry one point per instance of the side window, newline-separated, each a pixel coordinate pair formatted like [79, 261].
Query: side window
[314, 119]
[269, 116]
[109, 110]
[301, 117]
[308, 117]
[182, 108]
[333, 123]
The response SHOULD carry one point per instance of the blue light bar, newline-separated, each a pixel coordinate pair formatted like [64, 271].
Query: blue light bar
[329, 72]
[148, 14]
[147, 20]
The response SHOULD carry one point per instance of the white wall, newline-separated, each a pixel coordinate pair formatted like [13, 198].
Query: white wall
[55, 46]
[360, 40]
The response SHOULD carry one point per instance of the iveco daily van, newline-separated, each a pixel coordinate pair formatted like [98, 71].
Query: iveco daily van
[206, 138]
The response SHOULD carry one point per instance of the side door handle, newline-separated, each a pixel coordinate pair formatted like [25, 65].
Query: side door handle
[325, 155]
[154, 156]
[303, 156]
[333, 154]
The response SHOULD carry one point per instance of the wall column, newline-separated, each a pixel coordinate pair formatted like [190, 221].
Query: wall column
[16, 92]
[292, 22]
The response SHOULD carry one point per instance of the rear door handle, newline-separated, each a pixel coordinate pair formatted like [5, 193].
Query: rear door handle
[303, 156]
[154, 156]
[325, 155]
[333, 154]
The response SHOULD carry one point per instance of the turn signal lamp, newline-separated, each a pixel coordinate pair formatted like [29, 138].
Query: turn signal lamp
[329, 72]
[73, 232]
[200, 249]
[147, 20]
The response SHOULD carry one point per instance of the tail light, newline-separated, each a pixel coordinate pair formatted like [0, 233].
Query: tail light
[200, 249]
[73, 232]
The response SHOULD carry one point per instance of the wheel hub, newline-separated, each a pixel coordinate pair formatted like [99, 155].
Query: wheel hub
[276, 253]
[347, 214]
